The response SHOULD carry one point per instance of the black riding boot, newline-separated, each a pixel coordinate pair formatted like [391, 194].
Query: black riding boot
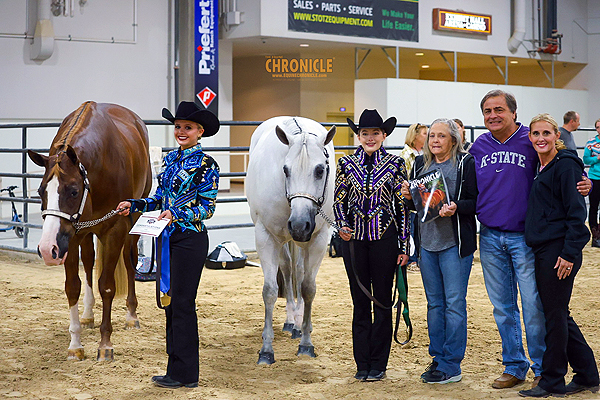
[595, 237]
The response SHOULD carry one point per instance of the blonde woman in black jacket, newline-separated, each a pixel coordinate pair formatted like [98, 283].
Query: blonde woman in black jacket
[555, 230]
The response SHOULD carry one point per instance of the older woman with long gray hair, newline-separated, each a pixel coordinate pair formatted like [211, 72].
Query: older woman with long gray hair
[446, 251]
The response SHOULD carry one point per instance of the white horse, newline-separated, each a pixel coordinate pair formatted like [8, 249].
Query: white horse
[290, 176]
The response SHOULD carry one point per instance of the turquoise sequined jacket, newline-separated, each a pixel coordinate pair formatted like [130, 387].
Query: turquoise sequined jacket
[187, 186]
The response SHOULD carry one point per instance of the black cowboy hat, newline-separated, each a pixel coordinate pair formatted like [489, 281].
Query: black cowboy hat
[190, 111]
[372, 119]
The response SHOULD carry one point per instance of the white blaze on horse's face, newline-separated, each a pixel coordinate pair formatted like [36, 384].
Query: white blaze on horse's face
[306, 171]
[48, 246]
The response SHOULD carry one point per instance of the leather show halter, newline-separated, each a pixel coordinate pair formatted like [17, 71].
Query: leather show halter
[317, 200]
[74, 218]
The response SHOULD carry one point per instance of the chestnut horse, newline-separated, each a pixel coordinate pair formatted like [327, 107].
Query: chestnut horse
[98, 157]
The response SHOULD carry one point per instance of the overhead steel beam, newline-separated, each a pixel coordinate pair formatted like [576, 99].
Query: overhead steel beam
[454, 68]
[505, 72]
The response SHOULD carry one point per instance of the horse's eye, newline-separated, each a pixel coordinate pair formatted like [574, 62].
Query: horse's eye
[319, 170]
[74, 193]
[286, 171]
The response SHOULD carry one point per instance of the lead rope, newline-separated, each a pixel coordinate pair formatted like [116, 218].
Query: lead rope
[88, 224]
[400, 288]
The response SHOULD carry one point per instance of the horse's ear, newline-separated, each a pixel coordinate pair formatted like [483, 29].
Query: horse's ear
[330, 134]
[72, 155]
[38, 159]
[281, 135]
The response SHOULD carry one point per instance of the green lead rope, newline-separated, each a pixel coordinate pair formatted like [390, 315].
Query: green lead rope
[402, 305]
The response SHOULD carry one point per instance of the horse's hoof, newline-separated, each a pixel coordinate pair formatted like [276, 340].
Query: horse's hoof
[266, 358]
[132, 324]
[105, 355]
[87, 323]
[296, 333]
[304, 350]
[76, 354]
[288, 327]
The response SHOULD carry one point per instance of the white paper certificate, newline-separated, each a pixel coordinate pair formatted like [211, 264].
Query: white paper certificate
[148, 225]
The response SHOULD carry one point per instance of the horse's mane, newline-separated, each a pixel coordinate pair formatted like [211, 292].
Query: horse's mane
[67, 132]
[293, 127]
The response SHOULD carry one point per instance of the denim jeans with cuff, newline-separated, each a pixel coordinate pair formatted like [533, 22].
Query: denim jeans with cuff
[509, 268]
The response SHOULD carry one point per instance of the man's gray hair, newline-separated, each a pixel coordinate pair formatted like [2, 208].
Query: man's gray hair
[511, 102]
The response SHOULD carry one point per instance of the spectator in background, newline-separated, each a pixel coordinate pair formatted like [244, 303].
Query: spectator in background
[571, 123]
[591, 156]
[413, 144]
[461, 128]
[413, 147]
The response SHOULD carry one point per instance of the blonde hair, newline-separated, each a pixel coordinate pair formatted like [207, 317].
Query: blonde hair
[411, 134]
[545, 117]
[457, 147]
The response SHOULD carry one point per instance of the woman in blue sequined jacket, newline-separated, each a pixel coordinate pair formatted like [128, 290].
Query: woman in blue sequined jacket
[370, 208]
[186, 195]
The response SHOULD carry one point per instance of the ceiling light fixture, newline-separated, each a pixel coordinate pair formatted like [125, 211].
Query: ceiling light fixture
[419, 54]
[514, 62]
[424, 66]
[304, 45]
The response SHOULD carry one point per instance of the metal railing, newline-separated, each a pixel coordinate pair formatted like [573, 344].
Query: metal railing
[24, 175]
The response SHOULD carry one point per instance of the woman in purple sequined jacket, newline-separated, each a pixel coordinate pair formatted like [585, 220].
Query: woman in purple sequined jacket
[374, 219]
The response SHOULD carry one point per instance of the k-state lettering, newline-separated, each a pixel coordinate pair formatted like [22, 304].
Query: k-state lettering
[503, 157]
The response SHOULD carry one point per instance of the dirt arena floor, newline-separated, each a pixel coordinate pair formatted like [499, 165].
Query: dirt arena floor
[34, 341]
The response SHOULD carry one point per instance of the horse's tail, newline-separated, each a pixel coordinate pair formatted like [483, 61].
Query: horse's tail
[287, 255]
[120, 272]
[291, 252]
[280, 284]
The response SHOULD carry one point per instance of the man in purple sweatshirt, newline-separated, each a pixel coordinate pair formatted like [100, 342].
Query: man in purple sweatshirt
[505, 164]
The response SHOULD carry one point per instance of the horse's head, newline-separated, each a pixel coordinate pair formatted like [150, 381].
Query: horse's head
[62, 191]
[306, 168]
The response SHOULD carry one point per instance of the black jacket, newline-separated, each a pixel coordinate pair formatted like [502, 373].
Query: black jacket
[465, 197]
[555, 208]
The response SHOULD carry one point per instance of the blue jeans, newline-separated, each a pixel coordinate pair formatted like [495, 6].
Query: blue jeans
[507, 261]
[445, 279]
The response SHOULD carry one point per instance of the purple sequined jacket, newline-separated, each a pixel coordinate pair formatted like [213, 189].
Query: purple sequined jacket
[369, 202]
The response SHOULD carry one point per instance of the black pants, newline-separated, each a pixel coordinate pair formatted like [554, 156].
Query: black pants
[375, 264]
[594, 202]
[188, 253]
[565, 343]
